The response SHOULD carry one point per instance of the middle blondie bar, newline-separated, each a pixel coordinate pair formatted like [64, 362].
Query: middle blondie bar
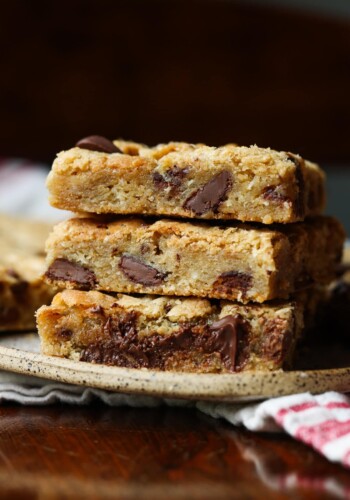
[168, 257]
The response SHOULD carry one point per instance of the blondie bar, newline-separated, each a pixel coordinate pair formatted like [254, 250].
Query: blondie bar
[167, 257]
[186, 180]
[22, 263]
[167, 333]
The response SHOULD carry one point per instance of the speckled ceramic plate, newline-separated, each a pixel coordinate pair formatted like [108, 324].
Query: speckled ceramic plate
[19, 353]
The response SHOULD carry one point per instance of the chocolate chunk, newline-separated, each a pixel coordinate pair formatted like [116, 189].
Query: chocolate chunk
[159, 181]
[231, 282]
[273, 193]
[299, 179]
[64, 270]
[226, 339]
[64, 333]
[211, 195]
[138, 272]
[122, 327]
[97, 143]
[122, 348]
[275, 342]
[172, 179]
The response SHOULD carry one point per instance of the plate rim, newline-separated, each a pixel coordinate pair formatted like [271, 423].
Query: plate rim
[174, 385]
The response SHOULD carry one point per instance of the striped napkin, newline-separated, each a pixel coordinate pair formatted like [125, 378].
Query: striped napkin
[320, 421]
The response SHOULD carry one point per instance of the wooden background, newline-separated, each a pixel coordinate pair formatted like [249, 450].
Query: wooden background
[212, 71]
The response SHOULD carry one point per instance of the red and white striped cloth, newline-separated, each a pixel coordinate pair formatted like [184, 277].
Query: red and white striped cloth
[322, 421]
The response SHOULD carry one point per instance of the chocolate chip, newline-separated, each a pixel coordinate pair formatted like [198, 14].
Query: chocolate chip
[159, 181]
[138, 272]
[172, 179]
[64, 270]
[231, 282]
[273, 193]
[275, 340]
[64, 333]
[97, 143]
[299, 179]
[211, 195]
[226, 339]
[122, 327]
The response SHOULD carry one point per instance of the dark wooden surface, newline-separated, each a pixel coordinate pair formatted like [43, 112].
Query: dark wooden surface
[163, 453]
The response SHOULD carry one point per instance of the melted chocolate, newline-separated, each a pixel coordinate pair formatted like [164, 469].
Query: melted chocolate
[125, 348]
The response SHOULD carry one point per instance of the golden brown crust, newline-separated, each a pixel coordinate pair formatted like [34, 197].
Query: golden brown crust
[260, 184]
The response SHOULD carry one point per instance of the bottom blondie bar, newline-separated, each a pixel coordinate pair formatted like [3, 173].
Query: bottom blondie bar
[177, 334]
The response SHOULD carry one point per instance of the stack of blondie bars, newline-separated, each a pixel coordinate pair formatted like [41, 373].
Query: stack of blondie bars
[224, 250]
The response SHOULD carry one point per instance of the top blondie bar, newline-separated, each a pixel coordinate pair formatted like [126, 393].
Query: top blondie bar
[186, 180]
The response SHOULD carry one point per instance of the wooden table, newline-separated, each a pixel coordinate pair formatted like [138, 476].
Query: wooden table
[162, 453]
